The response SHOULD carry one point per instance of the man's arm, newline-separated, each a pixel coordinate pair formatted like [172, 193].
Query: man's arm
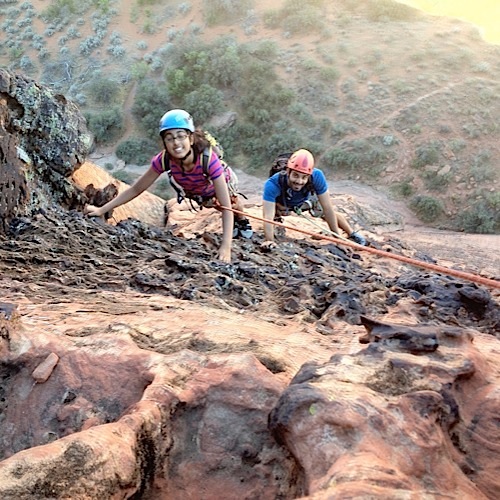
[328, 212]
[268, 212]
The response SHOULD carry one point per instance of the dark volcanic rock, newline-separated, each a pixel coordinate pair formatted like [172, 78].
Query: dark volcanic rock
[43, 140]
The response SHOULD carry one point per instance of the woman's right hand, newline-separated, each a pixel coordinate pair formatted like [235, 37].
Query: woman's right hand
[225, 253]
[93, 211]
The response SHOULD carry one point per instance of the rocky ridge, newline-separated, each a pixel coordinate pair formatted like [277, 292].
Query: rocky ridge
[134, 365]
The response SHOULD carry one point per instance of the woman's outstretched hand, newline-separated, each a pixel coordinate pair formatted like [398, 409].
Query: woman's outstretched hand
[93, 211]
[225, 254]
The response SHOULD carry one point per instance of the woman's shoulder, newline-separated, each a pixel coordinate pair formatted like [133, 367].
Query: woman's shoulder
[158, 162]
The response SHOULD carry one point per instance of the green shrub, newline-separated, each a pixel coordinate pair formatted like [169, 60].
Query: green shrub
[136, 150]
[403, 189]
[426, 208]
[367, 155]
[124, 176]
[217, 65]
[482, 170]
[61, 9]
[163, 189]
[483, 216]
[458, 145]
[329, 74]
[225, 11]
[150, 103]
[107, 125]
[427, 154]
[435, 182]
[296, 16]
[390, 10]
[105, 91]
[203, 103]
[225, 62]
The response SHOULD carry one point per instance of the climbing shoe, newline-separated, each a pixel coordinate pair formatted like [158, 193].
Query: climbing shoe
[357, 238]
[242, 228]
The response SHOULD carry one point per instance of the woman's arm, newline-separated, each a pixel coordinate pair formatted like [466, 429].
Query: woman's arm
[222, 194]
[139, 186]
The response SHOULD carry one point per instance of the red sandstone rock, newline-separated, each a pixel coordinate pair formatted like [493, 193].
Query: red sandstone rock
[43, 371]
[119, 421]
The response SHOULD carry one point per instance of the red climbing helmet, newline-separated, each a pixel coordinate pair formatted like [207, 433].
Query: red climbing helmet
[302, 161]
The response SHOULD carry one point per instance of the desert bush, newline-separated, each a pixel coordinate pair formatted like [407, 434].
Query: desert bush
[261, 97]
[152, 100]
[26, 64]
[90, 43]
[389, 10]
[403, 189]
[362, 156]
[116, 51]
[203, 102]
[225, 11]
[124, 176]
[340, 159]
[163, 189]
[329, 74]
[179, 82]
[136, 150]
[295, 16]
[184, 8]
[265, 51]
[457, 145]
[340, 129]
[306, 19]
[15, 53]
[139, 70]
[107, 125]
[426, 208]
[217, 65]
[482, 217]
[435, 182]
[102, 90]
[225, 64]
[266, 103]
[428, 153]
[64, 9]
[73, 32]
[143, 3]
[481, 169]
[43, 54]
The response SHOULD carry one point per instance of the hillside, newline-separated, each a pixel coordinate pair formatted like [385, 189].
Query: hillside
[135, 364]
[381, 93]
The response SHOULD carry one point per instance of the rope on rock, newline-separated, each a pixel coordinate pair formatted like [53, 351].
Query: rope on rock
[481, 280]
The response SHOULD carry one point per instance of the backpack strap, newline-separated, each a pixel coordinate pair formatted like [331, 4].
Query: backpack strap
[205, 160]
[165, 165]
[165, 161]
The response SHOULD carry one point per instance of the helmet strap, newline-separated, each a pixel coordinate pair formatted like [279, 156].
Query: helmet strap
[181, 162]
